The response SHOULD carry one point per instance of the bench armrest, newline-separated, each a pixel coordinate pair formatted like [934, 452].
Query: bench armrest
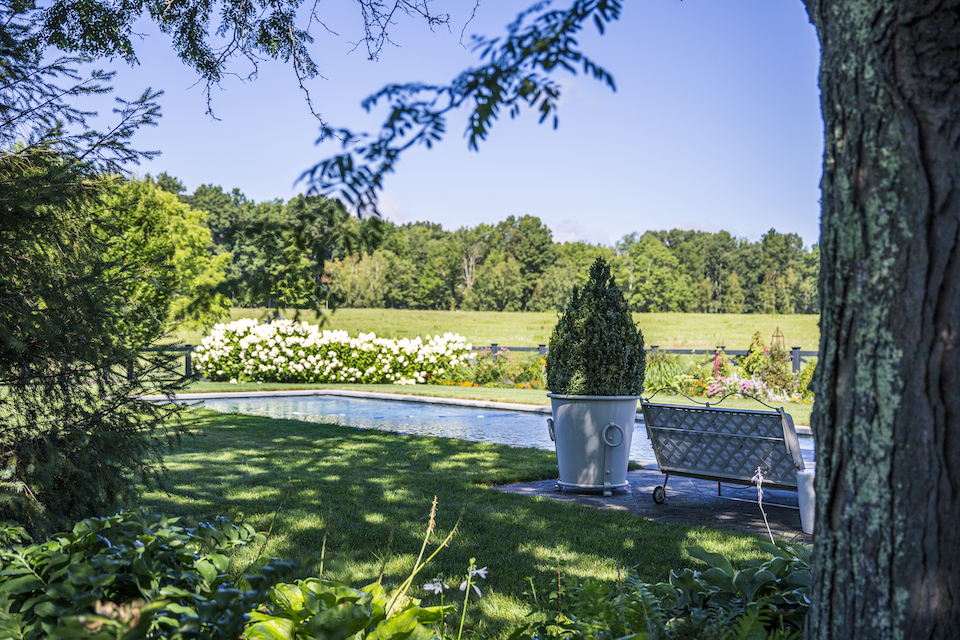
[791, 440]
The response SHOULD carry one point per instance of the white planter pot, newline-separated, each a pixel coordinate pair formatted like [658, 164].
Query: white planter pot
[593, 435]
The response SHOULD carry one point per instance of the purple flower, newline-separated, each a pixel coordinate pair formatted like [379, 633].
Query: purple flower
[437, 586]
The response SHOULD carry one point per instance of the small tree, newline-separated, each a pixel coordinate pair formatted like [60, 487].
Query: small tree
[596, 349]
[73, 435]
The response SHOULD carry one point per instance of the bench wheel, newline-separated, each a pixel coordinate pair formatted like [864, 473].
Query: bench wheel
[658, 495]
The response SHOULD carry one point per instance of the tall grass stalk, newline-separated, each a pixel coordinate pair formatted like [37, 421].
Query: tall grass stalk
[323, 546]
[418, 565]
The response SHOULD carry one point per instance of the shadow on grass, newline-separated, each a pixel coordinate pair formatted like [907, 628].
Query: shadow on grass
[377, 488]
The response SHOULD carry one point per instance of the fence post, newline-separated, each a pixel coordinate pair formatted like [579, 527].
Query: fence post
[188, 363]
[730, 359]
[130, 370]
[541, 349]
[796, 359]
[493, 348]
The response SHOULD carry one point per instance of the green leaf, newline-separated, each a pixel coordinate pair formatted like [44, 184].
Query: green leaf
[340, 622]
[206, 570]
[330, 592]
[398, 627]
[270, 628]
[716, 560]
[798, 579]
[220, 561]
[754, 584]
[48, 609]
[718, 579]
[288, 597]
[24, 584]
[179, 609]
[430, 615]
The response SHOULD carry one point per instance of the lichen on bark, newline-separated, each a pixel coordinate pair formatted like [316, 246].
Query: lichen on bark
[888, 510]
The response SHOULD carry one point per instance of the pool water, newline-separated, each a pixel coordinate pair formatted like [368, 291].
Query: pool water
[514, 428]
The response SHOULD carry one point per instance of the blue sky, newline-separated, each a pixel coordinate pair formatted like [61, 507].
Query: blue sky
[715, 123]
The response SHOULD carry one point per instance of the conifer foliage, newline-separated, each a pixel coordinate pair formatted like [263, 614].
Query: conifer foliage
[595, 349]
[73, 436]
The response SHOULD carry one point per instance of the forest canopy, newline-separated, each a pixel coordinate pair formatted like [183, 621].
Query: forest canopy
[514, 265]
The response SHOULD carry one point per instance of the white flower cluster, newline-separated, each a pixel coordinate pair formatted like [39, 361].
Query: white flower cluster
[286, 351]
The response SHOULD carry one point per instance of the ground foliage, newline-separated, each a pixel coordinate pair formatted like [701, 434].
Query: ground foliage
[132, 575]
[143, 575]
[764, 599]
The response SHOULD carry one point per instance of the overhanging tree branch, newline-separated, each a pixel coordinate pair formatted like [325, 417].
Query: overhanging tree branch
[517, 75]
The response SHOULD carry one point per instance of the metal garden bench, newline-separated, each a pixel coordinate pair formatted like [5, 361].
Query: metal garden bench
[724, 445]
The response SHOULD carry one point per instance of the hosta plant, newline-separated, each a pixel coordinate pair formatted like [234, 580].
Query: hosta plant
[764, 599]
[315, 608]
[132, 575]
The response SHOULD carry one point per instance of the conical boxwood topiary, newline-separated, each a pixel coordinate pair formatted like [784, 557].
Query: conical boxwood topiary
[595, 349]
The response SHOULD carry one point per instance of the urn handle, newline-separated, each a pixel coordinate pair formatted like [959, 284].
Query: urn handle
[606, 435]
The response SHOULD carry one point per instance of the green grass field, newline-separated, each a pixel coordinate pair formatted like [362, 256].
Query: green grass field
[668, 330]
[371, 492]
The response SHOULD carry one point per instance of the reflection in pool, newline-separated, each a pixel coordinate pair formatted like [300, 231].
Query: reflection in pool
[514, 428]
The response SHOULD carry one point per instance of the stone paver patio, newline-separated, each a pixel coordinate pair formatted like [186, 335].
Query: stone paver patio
[689, 502]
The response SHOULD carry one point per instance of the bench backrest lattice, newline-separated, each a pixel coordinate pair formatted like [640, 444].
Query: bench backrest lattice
[724, 444]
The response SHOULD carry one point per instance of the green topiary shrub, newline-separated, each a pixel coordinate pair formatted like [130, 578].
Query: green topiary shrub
[595, 349]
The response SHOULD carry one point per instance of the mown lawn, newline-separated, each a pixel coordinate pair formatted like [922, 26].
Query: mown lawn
[515, 329]
[371, 492]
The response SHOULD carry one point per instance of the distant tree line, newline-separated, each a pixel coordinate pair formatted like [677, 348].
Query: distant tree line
[279, 250]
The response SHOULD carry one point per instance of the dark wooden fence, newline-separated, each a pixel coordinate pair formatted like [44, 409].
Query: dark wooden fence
[797, 356]
[187, 362]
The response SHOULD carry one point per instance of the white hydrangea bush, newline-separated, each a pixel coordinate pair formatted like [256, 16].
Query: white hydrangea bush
[287, 351]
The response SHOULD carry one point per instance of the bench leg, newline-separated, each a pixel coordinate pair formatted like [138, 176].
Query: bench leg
[660, 493]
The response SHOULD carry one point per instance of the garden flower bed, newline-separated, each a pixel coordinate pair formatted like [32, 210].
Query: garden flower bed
[287, 351]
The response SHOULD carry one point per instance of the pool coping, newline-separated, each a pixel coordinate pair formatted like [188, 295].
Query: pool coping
[372, 395]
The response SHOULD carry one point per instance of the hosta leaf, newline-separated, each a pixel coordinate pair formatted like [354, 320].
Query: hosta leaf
[756, 583]
[206, 570]
[339, 622]
[715, 560]
[718, 578]
[288, 597]
[398, 627]
[797, 579]
[270, 629]
[430, 615]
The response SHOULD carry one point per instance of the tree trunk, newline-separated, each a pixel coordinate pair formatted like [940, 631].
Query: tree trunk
[887, 417]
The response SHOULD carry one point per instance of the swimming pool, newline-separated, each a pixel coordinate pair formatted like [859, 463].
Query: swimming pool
[514, 428]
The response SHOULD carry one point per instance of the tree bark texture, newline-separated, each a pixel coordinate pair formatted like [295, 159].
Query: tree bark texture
[887, 416]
